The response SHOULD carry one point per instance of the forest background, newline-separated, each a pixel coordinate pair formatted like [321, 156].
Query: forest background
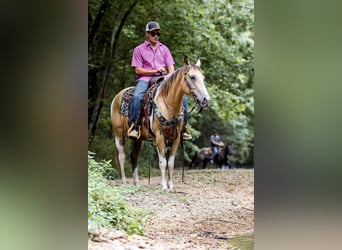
[219, 32]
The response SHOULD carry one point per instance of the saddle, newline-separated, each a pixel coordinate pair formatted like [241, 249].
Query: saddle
[146, 107]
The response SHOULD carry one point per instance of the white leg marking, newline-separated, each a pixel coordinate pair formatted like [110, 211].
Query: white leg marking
[135, 176]
[121, 157]
[171, 165]
[162, 166]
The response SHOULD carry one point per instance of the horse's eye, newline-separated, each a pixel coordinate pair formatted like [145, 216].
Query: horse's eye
[192, 78]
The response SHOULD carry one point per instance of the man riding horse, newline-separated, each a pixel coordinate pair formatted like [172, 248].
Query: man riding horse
[216, 144]
[151, 59]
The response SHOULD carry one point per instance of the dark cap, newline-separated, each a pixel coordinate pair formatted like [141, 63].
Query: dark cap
[214, 131]
[152, 26]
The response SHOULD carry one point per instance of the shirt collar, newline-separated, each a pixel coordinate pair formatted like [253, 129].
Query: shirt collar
[147, 44]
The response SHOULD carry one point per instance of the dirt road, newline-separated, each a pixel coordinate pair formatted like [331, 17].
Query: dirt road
[203, 212]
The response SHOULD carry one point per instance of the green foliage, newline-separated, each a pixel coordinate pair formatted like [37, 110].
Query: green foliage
[104, 148]
[103, 167]
[106, 204]
[148, 158]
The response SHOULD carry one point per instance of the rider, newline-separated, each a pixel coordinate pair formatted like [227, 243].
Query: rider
[216, 143]
[150, 59]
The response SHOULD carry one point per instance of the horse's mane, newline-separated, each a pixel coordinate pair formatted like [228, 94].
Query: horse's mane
[165, 85]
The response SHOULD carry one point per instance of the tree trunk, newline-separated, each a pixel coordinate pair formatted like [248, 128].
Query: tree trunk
[103, 74]
[95, 26]
[96, 110]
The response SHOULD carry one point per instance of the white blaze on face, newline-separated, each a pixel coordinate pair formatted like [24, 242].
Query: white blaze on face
[202, 87]
[199, 88]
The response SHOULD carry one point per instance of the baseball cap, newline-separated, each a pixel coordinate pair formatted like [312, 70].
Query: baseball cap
[214, 131]
[152, 26]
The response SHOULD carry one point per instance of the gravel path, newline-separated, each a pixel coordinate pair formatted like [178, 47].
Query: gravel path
[203, 212]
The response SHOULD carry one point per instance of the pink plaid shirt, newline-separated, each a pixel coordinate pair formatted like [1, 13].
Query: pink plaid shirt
[145, 57]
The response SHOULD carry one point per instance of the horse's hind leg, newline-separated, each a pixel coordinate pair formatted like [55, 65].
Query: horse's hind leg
[120, 156]
[136, 148]
[204, 164]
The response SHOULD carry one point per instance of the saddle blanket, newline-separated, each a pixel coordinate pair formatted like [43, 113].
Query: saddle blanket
[126, 100]
[147, 103]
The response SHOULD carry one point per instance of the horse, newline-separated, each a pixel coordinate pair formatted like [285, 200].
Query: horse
[204, 155]
[164, 124]
[221, 158]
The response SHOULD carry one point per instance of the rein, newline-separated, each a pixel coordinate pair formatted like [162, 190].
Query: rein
[186, 71]
[192, 109]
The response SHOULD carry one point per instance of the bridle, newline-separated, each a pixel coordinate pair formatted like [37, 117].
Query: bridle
[191, 88]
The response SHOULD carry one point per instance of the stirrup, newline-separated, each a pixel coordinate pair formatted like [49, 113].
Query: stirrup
[131, 128]
[186, 136]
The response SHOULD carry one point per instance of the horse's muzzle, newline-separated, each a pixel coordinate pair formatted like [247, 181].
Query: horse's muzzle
[204, 102]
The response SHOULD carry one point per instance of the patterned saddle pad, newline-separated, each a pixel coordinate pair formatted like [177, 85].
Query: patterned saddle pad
[126, 100]
[146, 105]
[127, 96]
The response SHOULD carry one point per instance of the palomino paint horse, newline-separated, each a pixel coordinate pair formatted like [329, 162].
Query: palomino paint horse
[166, 121]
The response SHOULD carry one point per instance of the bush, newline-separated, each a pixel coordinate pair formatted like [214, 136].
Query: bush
[106, 205]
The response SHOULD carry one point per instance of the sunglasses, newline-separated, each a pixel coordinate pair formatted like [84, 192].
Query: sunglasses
[154, 33]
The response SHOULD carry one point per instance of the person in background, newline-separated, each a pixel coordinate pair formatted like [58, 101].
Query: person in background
[216, 143]
[151, 59]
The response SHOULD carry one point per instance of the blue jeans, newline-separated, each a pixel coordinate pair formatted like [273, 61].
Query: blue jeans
[139, 93]
[215, 150]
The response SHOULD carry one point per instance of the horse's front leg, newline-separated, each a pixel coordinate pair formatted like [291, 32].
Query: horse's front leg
[171, 162]
[171, 165]
[162, 166]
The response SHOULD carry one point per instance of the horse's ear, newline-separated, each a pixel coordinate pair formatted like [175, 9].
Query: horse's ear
[186, 60]
[198, 63]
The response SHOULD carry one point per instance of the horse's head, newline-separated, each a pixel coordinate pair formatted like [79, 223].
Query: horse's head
[195, 86]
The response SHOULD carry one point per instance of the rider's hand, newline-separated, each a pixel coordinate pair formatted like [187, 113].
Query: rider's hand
[161, 70]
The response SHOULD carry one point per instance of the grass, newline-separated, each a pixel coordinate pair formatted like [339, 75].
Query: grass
[106, 204]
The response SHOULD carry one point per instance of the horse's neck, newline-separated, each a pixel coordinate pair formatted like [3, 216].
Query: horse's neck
[225, 150]
[170, 104]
